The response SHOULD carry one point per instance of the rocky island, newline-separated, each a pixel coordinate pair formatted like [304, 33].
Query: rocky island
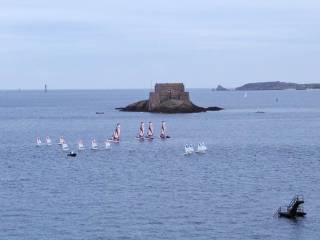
[221, 88]
[167, 98]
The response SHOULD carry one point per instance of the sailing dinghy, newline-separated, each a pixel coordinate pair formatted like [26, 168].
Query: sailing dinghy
[150, 131]
[61, 140]
[108, 145]
[115, 138]
[188, 149]
[48, 140]
[141, 132]
[65, 146]
[94, 144]
[81, 145]
[201, 148]
[39, 141]
[163, 134]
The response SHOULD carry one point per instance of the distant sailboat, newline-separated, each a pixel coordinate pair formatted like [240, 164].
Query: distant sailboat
[141, 131]
[94, 144]
[61, 140]
[108, 145]
[150, 131]
[45, 88]
[163, 134]
[245, 95]
[39, 141]
[81, 145]
[65, 146]
[48, 140]
[115, 135]
[201, 148]
[188, 149]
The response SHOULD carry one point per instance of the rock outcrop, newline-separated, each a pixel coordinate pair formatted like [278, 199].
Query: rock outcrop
[221, 88]
[167, 98]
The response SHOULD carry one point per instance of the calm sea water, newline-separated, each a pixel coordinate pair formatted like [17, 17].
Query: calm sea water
[150, 190]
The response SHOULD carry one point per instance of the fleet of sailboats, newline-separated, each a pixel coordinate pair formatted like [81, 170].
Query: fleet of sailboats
[189, 149]
[202, 148]
[115, 138]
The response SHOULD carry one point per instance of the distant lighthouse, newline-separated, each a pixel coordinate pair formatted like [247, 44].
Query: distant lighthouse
[45, 88]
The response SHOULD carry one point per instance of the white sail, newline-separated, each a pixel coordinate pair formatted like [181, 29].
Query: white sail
[116, 134]
[141, 130]
[188, 149]
[201, 148]
[108, 145]
[94, 144]
[118, 131]
[81, 145]
[48, 140]
[61, 140]
[204, 147]
[150, 130]
[39, 141]
[163, 130]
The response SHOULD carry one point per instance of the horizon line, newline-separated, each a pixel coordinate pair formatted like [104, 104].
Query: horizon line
[88, 89]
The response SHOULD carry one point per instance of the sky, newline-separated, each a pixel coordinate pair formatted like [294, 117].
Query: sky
[103, 44]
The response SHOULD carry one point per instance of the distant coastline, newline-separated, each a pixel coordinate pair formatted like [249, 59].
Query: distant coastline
[272, 86]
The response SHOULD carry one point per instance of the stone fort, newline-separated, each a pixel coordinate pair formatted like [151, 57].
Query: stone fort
[167, 91]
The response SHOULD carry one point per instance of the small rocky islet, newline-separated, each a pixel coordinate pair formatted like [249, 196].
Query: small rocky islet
[167, 98]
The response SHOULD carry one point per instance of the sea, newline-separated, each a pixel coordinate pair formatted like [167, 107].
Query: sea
[263, 149]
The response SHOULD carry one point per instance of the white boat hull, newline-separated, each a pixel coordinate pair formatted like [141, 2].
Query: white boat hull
[65, 147]
[94, 147]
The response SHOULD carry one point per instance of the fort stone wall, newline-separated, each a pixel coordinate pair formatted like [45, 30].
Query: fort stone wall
[167, 91]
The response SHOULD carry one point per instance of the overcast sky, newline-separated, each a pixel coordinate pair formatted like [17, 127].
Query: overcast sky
[133, 44]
